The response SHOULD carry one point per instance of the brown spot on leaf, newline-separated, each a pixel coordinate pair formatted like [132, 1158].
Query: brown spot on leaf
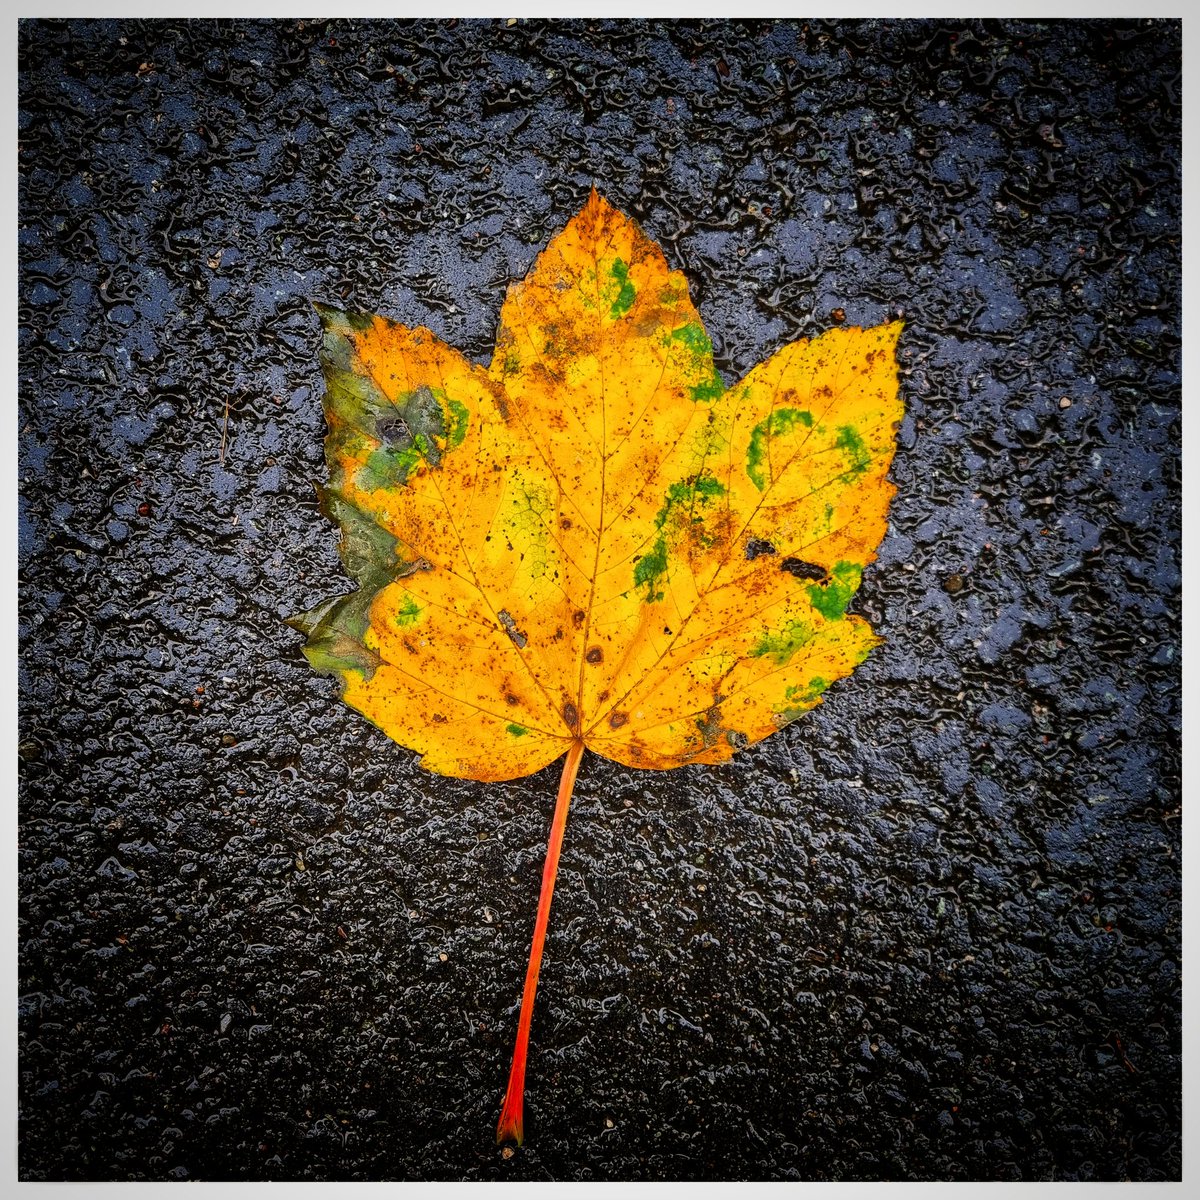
[509, 698]
[578, 617]
[571, 716]
[617, 719]
[710, 725]
[594, 655]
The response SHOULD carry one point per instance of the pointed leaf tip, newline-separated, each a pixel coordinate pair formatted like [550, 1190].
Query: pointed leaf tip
[341, 320]
[327, 312]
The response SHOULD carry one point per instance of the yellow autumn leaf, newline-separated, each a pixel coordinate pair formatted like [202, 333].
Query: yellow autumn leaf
[594, 542]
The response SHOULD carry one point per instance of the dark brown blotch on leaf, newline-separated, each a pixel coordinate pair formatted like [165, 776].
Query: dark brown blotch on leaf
[803, 570]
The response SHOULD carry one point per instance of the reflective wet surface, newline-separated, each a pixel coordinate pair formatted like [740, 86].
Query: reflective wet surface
[929, 931]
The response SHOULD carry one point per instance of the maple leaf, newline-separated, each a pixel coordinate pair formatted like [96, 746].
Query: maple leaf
[594, 542]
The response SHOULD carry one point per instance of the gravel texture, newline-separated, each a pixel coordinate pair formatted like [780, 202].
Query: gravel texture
[930, 931]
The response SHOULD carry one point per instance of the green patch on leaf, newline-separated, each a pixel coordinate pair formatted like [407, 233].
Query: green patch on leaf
[782, 644]
[708, 390]
[807, 693]
[848, 439]
[699, 347]
[681, 498]
[516, 730]
[830, 599]
[649, 570]
[371, 554]
[337, 655]
[390, 466]
[410, 430]
[694, 339]
[408, 611]
[778, 424]
[803, 698]
[700, 489]
[456, 423]
[627, 293]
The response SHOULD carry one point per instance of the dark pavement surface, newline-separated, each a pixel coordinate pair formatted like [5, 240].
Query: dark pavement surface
[929, 931]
